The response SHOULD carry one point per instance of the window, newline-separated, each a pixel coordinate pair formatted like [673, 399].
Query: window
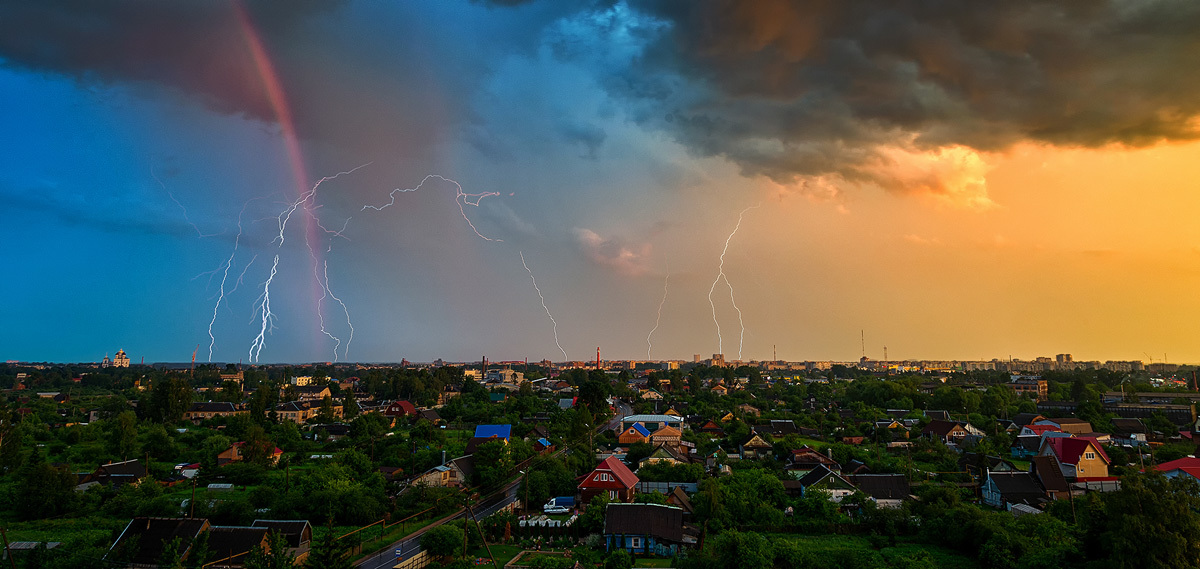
[635, 542]
[596, 479]
[612, 494]
[1089, 455]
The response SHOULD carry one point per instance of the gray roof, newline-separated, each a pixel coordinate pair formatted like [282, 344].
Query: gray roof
[656, 520]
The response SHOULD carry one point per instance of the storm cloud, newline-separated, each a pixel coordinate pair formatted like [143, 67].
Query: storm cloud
[800, 89]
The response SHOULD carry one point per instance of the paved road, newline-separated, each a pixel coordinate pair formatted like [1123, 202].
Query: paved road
[411, 544]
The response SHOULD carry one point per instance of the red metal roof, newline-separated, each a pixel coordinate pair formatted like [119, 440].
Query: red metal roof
[619, 471]
[1069, 449]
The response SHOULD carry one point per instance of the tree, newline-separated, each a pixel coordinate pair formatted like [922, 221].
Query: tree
[325, 414]
[257, 448]
[492, 463]
[443, 541]
[275, 556]
[124, 435]
[1150, 522]
[619, 559]
[170, 398]
[328, 553]
[350, 407]
[44, 490]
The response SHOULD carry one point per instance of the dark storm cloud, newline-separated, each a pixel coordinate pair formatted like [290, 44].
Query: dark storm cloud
[799, 88]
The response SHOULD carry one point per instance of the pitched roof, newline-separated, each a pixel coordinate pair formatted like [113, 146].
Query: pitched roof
[1023, 419]
[940, 428]
[1039, 429]
[641, 429]
[147, 536]
[1185, 462]
[667, 431]
[293, 530]
[234, 543]
[474, 443]
[619, 471]
[1069, 449]
[657, 520]
[485, 431]
[681, 499]
[1048, 472]
[882, 486]
[816, 475]
[1017, 486]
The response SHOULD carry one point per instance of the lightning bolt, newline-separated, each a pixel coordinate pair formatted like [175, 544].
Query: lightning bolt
[306, 197]
[201, 234]
[212, 340]
[460, 197]
[325, 291]
[307, 202]
[721, 276]
[263, 305]
[650, 346]
[543, 299]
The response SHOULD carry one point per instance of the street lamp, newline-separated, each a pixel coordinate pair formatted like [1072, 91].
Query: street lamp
[525, 480]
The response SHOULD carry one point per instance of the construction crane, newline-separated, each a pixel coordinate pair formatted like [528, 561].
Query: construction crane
[192, 371]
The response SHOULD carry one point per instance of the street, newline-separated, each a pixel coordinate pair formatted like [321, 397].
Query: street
[411, 544]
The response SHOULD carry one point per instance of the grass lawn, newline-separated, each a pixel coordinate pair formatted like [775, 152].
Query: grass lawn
[652, 562]
[94, 530]
[503, 553]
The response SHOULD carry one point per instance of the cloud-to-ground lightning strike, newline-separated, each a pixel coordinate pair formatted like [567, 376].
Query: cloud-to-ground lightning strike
[543, 299]
[263, 306]
[720, 276]
[320, 314]
[460, 197]
[307, 201]
[650, 346]
[212, 340]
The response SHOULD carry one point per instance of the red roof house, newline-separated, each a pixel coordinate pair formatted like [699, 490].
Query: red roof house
[1078, 457]
[611, 478]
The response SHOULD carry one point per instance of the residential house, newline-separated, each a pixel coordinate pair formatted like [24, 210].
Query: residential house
[302, 411]
[441, 476]
[431, 415]
[826, 480]
[1003, 489]
[755, 447]
[949, 432]
[115, 474]
[391, 473]
[804, 459]
[500, 431]
[143, 540]
[713, 429]
[313, 392]
[781, 428]
[978, 465]
[652, 422]
[666, 434]
[1183, 467]
[1069, 425]
[236, 453]
[230, 546]
[664, 453]
[201, 410]
[636, 433]
[886, 490]
[1128, 432]
[1078, 457]
[893, 428]
[397, 409]
[1025, 447]
[297, 532]
[1050, 476]
[543, 446]
[612, 478]
[720, 390]
[645, 529]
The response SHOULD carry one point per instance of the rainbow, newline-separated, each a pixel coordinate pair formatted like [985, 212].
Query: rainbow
[287, 126]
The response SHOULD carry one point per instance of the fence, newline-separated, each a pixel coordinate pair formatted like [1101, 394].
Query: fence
[666, 487]
[417, 561]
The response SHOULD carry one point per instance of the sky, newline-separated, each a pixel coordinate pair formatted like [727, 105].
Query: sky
[809, 180]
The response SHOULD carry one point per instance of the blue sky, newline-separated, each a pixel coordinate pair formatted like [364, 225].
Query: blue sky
[621, 140]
